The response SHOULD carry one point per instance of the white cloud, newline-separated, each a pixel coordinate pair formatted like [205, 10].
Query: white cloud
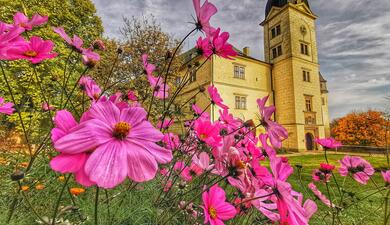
[353, 39]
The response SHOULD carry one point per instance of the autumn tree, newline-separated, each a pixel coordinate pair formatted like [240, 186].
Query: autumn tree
[362, 128]
[121, 68]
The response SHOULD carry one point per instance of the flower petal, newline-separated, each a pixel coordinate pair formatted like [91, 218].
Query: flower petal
[107, 165]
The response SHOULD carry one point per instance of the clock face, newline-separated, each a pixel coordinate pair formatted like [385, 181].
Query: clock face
[303, 30]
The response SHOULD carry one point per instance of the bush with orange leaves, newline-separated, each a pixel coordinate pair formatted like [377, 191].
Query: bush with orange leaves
[369, 128]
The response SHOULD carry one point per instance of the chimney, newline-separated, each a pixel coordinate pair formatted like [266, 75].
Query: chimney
[246, 51]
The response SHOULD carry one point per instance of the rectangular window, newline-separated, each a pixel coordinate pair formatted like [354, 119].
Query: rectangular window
[240, 102]
[277, 51]
[306, 76]
[276, 31]
[239, 72]
[323, 101]
[308, 102]
[304, 49]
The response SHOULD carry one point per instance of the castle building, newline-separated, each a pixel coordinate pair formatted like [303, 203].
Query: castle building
[290, 75]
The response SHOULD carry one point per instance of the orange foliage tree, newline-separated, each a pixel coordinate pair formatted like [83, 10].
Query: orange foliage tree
[369, 128]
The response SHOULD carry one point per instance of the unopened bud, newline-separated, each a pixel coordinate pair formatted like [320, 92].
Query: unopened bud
[249, 123]
[223, 132]
[168, 55]
[202, 89]
[17, 175]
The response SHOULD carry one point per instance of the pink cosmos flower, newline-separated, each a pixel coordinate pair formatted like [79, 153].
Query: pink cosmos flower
[203, 115]
[131, 96]
[158, 86]
[68, 163]
[319, 195]
[289, 208]
[202, 161]
[360, 169]
[220, 46]
[328, 143]
[215, 97]
[35, 51]
[171, 141]
[208, 132]
[324, 173]
[22, 20]
[47, 107]
[98, 44]
[89, 86]
[203, 15]
[216, 209]
[228, 119]
[76, 42]
[90, 58]
[227, 159]
[268, 151]
[203, 47]
[8, 36]
[6, 107]
[276, 132]
[122, 143]
[184, 171]
[386, 177]
[148, 67]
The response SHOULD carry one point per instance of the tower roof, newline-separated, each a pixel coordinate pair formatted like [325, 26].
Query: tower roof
[281, 3]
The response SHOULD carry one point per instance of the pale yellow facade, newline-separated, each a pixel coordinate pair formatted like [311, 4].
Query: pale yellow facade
[292, 78]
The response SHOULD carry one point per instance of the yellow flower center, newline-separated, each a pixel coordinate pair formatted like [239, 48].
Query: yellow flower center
[121, 130]
[240, 164]
[203, 136]
[213, 212]
[30, 53]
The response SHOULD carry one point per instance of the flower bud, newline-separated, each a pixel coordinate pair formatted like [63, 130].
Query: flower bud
[98, 44]
[202, 89]
[249, 123]
[17, 175]
[168, 55]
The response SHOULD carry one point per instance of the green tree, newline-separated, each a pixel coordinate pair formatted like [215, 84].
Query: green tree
[77, 17]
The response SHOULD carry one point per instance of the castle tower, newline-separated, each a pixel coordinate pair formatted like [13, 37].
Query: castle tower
[290, 46]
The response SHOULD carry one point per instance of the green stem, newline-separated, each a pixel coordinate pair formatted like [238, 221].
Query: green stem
[59, 199]
[96, 205]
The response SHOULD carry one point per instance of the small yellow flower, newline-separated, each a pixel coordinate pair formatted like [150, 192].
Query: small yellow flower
[77, 191]
[61, 178]
[39, 186]
[25, 188]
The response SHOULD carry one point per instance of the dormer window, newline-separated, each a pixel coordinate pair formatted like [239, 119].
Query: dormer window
[276, 31]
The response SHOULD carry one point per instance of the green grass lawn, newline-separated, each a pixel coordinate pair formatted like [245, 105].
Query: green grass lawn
[369, 211]
[137, 208]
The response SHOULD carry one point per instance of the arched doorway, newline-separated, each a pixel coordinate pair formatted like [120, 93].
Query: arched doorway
[309, 141]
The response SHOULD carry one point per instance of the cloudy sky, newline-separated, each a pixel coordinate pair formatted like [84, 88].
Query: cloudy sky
[353, 39]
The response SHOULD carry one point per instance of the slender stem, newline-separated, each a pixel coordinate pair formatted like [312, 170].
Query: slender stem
[18, 111]
[64, 76]
[108, 206]
[74, 87]
[173, 56]
[330, 199]
[59, 199]
[31, 206]
[386, 207]
[96, 205]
